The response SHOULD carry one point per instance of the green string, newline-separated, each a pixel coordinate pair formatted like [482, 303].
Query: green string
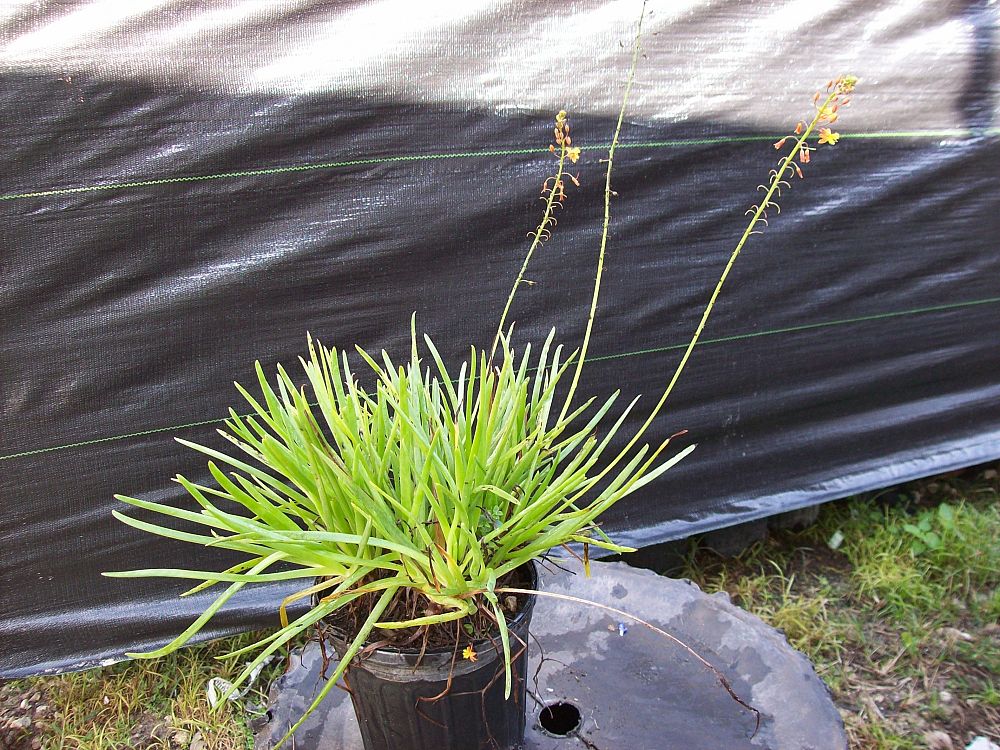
[679, 143]
[803, 327]
[601, 358]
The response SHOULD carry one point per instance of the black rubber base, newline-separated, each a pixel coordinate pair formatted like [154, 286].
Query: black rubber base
[603, 681]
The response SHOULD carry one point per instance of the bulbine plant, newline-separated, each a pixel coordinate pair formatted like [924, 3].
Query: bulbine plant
[411, 503]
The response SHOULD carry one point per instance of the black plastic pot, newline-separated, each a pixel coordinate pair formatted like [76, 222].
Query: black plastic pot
[392, 690]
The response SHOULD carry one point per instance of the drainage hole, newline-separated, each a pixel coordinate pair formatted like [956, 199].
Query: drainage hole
[559, 719]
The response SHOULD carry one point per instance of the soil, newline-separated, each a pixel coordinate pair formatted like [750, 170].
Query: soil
[923, 705]
[409, 604]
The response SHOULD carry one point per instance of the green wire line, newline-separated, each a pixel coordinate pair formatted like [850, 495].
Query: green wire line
[601, 358]
[679, 143]
[803, 327]
[112, 438]
[267, 171]
[947, 133]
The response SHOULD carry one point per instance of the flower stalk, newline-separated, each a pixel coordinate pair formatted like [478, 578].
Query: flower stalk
[838, 91]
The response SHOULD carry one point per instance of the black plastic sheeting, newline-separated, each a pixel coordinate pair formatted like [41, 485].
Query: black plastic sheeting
[160, 234]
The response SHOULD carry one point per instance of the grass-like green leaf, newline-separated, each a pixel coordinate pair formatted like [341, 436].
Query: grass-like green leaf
[426, 481]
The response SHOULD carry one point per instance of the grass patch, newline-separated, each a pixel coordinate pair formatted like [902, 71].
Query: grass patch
[894, 597]
[157, 704]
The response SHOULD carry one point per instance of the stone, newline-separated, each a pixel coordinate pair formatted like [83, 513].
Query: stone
[730, 541]
[938, 740]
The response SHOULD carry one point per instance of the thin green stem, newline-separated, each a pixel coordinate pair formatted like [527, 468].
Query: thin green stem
[607, 219]
[785, 165]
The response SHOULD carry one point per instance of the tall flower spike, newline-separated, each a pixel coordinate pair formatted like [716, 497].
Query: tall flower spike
[826, 111]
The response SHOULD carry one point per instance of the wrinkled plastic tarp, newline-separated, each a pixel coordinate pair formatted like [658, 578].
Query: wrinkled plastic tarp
[188, 187]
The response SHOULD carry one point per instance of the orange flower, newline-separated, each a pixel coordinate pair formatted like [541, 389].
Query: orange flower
[780, 143]
[828, 136]
[470, 653]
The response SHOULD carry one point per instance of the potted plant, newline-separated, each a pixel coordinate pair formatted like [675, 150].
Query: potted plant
[412, 502]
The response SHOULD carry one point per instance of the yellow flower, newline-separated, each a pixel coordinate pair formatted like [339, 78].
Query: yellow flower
[470, 653]
[573, 153]
[828, 136]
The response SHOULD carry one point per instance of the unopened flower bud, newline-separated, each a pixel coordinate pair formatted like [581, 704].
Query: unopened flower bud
[846, 84]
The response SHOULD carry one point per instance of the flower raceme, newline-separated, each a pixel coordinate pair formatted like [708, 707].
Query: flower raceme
[838, 93]
[563, 141]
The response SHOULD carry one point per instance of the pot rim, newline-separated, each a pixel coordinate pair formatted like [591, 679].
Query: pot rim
[486, 650]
